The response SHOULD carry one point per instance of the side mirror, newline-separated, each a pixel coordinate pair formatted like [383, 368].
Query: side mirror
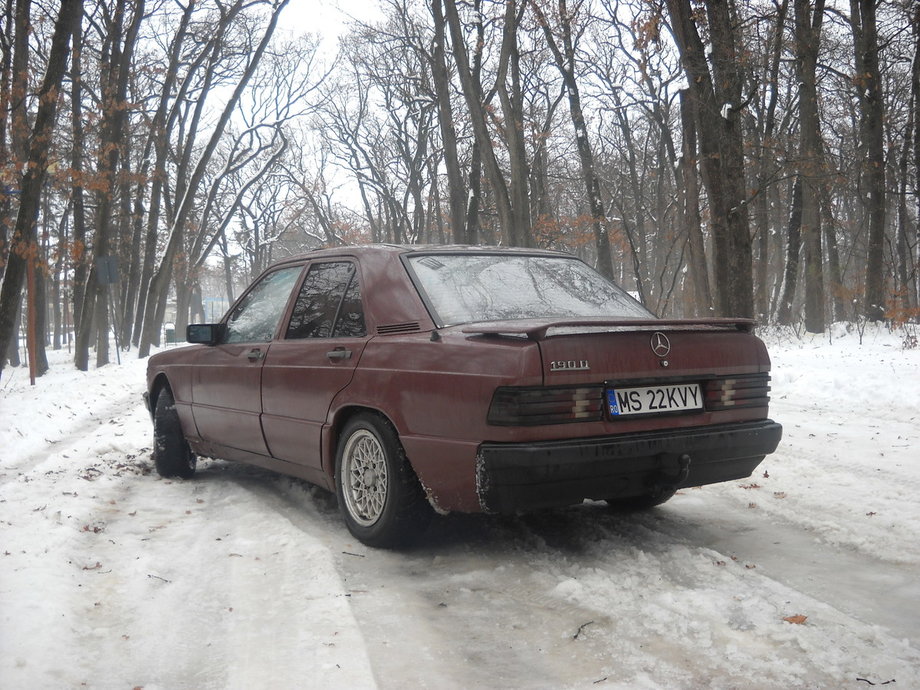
[205, 333]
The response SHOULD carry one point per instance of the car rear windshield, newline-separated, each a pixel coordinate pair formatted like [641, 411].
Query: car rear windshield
[467, 288]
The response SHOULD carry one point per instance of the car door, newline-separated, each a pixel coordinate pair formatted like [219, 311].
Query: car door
[313, 361]
[227, 377]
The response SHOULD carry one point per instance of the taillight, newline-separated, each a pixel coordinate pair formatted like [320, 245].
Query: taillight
[512, 406]
[737, 391]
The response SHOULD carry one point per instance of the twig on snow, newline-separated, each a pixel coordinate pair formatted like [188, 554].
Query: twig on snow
[865, 680]
[581, 629]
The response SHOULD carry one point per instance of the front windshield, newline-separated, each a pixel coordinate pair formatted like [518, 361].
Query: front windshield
[466, 288]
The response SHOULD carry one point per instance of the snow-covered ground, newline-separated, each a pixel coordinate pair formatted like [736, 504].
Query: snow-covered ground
[805, 575]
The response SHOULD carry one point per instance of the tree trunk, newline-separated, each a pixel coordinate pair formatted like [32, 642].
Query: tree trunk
[12, 350]
[474, 201]
[25, 246]
[872, 114]
[56, 296]
[793, 250]
[636, 233]
[456, 193]
[135, 261]
[40, 306]
[765, 165]
[6, 66]
[690, 209]
[512, 102]
[811, 159]
[913, 234]
[78, 251]
[472, 94]
[833, 258]
[717, 102]
[905, 259]
[15, 86]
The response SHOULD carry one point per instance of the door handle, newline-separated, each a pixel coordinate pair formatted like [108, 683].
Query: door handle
[254, 355]
[339, 353]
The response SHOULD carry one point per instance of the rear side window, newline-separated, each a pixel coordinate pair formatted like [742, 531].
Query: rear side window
[256, 317]
[328, 304]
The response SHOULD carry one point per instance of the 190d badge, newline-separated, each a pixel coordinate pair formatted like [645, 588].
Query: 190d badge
[570, 365]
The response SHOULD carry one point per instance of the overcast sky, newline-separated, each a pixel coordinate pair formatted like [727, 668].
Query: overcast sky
[325, 17]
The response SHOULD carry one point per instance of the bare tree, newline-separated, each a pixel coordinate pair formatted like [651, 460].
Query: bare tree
[508, 87]
[718, 103]
[508, 216]
[121, 33]
[690, 207]
[456, 190]
[868, 84]
[808, 23]
[564, 57]
[159, 285]
[24, 246]
[915, 101]
[767, 168]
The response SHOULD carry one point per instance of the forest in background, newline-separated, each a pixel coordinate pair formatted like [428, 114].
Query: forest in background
[716, 157]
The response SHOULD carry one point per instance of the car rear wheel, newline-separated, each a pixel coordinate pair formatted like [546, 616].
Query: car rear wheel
[379, 495]
[637, 503]
[171, 453]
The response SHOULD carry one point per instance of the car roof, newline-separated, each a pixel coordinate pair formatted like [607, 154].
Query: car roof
[365, 249]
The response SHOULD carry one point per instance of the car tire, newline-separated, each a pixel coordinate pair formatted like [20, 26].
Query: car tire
[637, 503]
[380, 497]
[171, 453]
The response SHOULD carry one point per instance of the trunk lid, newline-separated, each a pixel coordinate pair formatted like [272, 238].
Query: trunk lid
[638, 374]
[576, 351]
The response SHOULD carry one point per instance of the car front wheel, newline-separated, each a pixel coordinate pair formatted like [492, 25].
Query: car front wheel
[171, 453]
[379, 495]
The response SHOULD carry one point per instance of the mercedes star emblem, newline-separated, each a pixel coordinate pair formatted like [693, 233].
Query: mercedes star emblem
[661, 346]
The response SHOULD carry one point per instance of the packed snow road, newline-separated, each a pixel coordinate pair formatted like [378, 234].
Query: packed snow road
[804, 575]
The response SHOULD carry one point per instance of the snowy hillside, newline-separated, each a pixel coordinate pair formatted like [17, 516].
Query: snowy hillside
[807, 574]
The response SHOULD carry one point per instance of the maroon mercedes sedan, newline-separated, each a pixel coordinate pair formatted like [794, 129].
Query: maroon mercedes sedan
[414, 380]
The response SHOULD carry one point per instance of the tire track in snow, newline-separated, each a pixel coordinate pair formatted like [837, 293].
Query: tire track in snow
[113, 410]
[576, 597]
[434, 618]
[873, 590]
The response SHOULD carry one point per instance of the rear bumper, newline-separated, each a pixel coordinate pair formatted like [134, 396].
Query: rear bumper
[525, 476]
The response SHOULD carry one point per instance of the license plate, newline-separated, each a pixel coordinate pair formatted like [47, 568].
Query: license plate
[654, 399]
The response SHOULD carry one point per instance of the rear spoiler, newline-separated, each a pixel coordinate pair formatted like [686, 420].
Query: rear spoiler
[537, 329]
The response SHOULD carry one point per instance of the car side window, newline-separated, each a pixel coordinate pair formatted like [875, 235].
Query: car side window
[256, 317]
[328, 304]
